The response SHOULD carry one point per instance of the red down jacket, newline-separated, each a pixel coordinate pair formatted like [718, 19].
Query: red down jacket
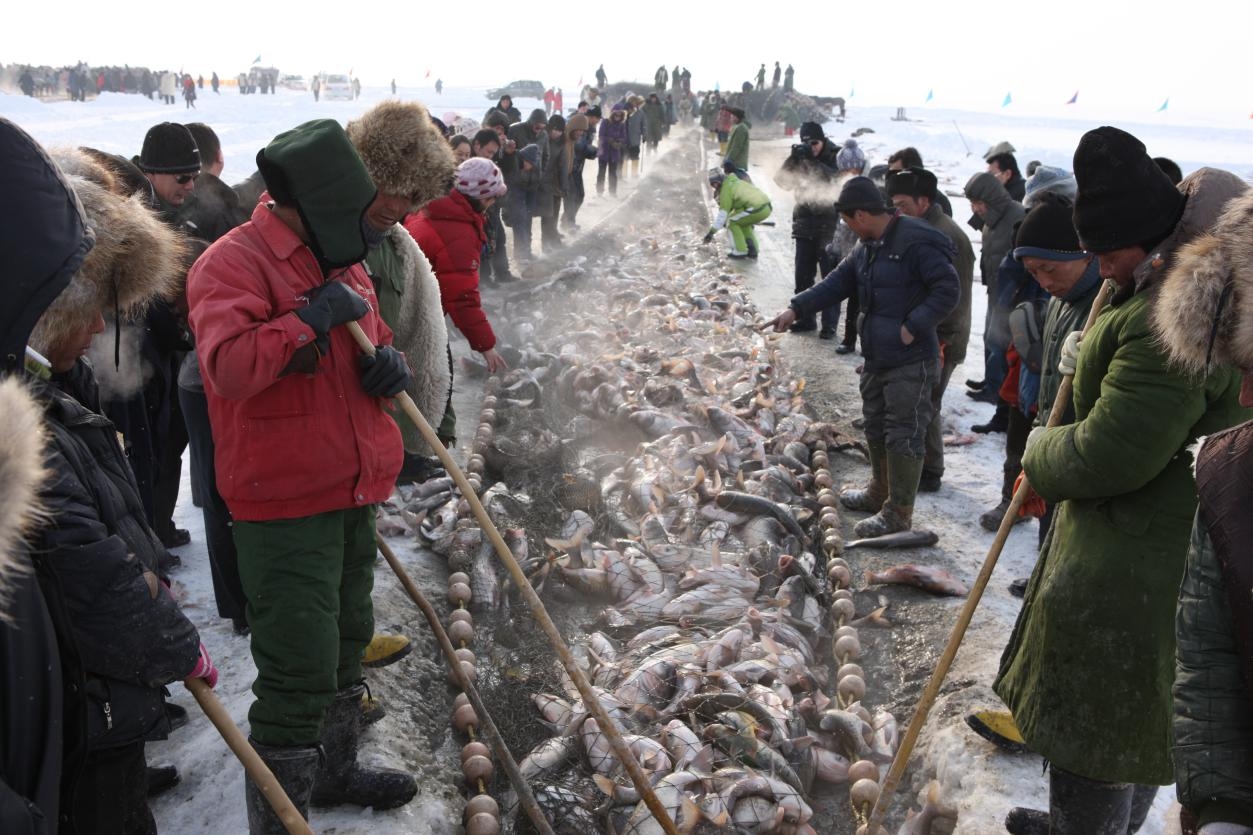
[450, 234]
[294, 445]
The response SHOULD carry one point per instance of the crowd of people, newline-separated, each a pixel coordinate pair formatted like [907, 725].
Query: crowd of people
[1128, 666]
[222, 311]
[79, 81]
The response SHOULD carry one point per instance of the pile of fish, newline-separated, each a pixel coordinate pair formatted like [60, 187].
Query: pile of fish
[684, 483]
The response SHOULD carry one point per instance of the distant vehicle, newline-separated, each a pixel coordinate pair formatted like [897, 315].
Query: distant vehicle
[518, 89]
[337, 87]
[293, 82]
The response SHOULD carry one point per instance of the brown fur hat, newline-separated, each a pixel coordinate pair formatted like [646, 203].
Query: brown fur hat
[137, 259]
[21, 473]
[1190, 309]
[404, 151]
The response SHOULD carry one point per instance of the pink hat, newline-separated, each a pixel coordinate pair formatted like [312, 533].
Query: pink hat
[479, 178]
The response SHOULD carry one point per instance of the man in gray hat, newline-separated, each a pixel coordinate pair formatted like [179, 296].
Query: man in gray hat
[909, 265]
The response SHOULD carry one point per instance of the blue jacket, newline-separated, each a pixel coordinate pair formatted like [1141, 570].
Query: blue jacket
[904, 278]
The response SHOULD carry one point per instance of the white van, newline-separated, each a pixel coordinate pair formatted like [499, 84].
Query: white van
[337, 87]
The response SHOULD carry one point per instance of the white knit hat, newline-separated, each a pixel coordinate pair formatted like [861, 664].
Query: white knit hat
[479, 178]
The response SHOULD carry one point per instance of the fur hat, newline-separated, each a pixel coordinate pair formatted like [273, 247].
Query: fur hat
[913, 182]
[315, 168]
[1207, 295]
[21, 474]
[169, 149]
[136, 260]
[403, 151]
[1124, 199]
[1049, 178]
[576, 122]
[480, 178]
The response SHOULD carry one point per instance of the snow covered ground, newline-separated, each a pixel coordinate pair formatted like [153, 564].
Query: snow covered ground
[982, 782]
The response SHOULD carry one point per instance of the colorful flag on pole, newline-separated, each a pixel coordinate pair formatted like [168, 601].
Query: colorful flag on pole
[257, 60]
[930, 96]
[428, 73]
[852, 91]
[1074, 98]
[1165, 104]
[1007, 101]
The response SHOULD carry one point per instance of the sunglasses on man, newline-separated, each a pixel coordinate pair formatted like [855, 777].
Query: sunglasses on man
[184, 179]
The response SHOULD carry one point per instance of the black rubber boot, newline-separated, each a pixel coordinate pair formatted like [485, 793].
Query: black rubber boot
[341, 779]
[294, 769]
[990, 520]
[998, 423]
[1079, 806]
[1024, 821]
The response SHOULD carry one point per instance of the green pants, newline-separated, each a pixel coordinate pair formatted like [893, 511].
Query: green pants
[308, 583]
[741, 226]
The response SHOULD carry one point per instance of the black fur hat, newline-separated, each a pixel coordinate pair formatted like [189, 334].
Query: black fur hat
[169, 149]
[1124, 199]
[913, 182]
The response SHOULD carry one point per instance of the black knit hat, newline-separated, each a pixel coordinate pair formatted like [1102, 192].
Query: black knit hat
[811, 130]
[912, 182]
[861, 193]
[1048, 232]
[169, 149]
[1124, 199]
[556, 122]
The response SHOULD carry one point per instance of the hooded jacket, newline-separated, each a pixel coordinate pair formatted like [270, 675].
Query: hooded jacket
[613, 138]
[450, 232]
[289, 443]
[1088, 669]
[998, 223]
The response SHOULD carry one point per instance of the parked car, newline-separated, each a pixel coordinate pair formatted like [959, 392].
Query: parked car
[337, 87]
[293, 82]
[518, 89]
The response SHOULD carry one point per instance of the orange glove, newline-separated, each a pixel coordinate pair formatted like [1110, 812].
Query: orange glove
[1033, 505]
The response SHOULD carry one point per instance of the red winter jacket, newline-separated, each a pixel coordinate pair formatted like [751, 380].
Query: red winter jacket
[450, 234]
[299, 444]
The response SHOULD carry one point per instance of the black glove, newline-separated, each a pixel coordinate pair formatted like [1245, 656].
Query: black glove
[709, 236]
[800, 150]
[331, 304]
[384, 374]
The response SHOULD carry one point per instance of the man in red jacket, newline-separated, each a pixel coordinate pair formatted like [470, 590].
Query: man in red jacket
[305, 449]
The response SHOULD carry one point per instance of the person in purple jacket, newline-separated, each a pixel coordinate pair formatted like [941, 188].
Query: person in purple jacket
[613, 140]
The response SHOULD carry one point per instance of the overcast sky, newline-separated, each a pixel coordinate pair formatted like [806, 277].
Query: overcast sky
[1113, 52]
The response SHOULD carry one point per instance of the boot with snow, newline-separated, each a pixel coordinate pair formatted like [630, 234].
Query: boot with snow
[341, 779]
[293, 768]
[871, 497]
[1079, 806]
[385, 649]
[990, 520]
[997, 727]
[897, 513]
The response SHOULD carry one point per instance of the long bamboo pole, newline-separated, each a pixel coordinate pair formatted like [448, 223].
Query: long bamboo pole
[893, 778]
[590, 700]
[254, 766]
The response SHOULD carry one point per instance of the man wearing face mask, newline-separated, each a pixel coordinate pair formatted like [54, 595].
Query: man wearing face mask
[306, 448]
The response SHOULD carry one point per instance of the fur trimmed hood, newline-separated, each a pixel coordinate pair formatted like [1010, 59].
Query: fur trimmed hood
[1190, 307]
[404, 151]
[21, 473]
[136, 259]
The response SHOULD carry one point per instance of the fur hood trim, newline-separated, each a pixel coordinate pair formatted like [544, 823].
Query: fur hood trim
[1190, 305]
[21, 474]
[136, 259]
[404, 151]
[421, 333]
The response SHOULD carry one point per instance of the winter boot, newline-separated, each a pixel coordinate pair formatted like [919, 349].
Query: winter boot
[1079, 806]
[385, 649]
[897, 513]
[871, 497]
[1024, 821]
[293, 768]
[991, 520]
[998, 423]
[997, 727]
[752, 248]
[341, 779]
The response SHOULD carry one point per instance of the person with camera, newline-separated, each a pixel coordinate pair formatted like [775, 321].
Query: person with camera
[810, 172]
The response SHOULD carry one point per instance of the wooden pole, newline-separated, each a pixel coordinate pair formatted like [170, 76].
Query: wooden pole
[893, 778]
[590, 700]
[254, 766]
[525, 797]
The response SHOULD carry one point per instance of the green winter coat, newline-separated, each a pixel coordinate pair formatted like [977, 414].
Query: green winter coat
[1089, 666]
[737, 146]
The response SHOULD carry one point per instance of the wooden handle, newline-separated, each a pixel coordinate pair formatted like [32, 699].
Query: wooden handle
[254, 766]
[929, 693]
[590, 699]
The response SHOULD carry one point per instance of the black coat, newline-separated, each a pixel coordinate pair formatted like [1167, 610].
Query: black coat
[211, 210]
[813, 181]
[121, 635]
